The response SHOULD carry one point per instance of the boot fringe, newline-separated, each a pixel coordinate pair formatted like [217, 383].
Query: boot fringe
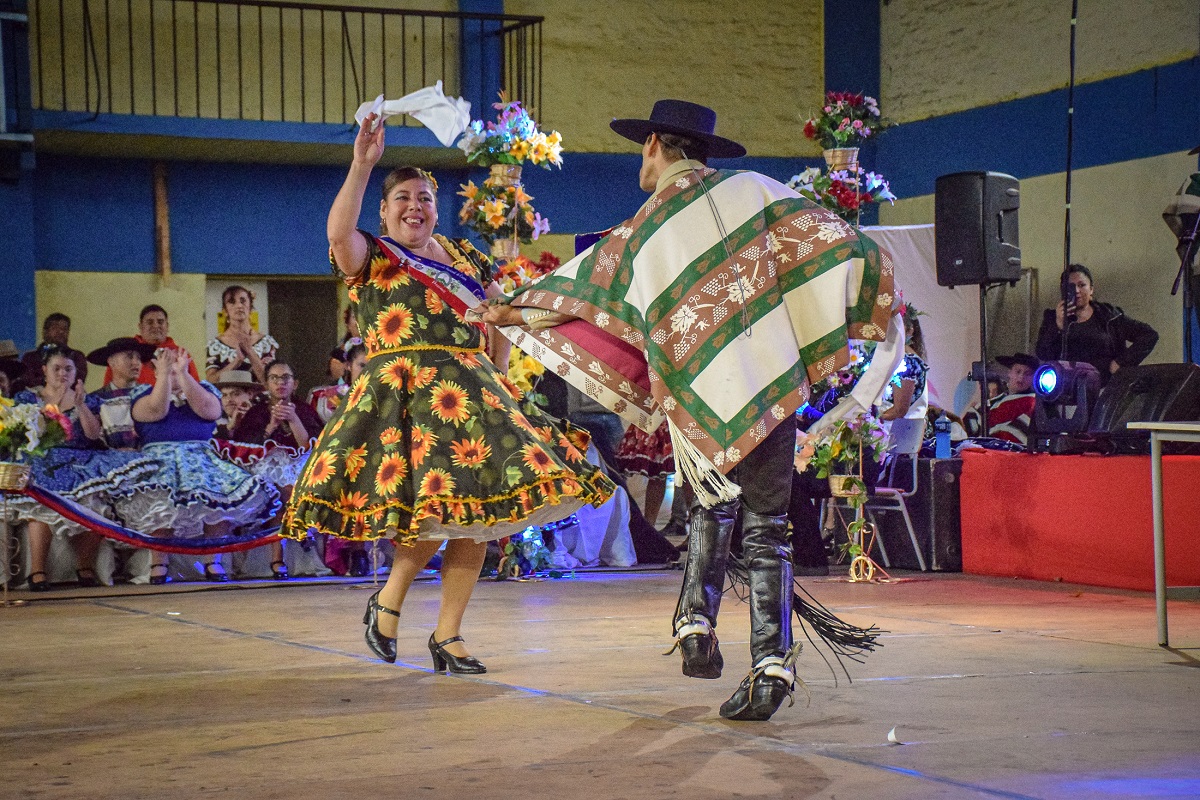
[842, 639]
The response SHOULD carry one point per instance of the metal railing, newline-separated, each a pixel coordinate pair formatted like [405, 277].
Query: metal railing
[15, 122]
[286, 61]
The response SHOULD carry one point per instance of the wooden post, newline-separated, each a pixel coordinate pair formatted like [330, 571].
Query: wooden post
[162, 223]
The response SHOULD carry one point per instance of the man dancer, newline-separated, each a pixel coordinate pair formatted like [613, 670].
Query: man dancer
[736, 291]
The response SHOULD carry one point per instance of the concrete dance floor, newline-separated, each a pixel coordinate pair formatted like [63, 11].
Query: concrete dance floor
[995, 688]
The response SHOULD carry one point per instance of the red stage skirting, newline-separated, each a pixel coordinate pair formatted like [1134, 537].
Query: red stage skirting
[1081, 519]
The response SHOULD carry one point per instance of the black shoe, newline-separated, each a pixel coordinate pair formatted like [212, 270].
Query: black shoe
[279, 571]
[697, 641]
[41, 585]
[359, 566]
[212, 575]
[382, 646]
[444, 661]
[158, 580]
[87, 579]
[761, 692]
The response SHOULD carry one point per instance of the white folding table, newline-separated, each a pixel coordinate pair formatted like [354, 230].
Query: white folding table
[1163, 432]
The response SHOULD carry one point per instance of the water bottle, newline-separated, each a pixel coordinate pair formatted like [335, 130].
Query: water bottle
[941, 435]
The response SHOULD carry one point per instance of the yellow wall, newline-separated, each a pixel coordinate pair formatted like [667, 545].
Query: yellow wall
[759, 65]
[105, 305]
[942, 56]
[1117, 231]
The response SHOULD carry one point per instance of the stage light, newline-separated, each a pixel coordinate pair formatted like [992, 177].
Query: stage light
[1046, 383]
[1064, 392]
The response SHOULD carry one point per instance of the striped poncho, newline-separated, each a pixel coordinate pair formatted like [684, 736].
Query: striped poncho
[715, 308]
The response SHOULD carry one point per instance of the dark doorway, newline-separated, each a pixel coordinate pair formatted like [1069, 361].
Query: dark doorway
[304, 320]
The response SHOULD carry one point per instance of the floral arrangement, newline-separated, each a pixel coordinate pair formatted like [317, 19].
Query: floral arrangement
[525, 553]
[513, 138]
[27, 431]
[524, 372]
[846, 120]
[837, 451]
[498, 210]
[512, 275]
[840, 191]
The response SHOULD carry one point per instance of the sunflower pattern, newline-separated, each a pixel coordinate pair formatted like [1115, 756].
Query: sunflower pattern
[431, 442]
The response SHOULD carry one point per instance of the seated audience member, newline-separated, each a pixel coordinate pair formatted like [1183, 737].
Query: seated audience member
[11, 369]
[194, 493]
[124, 358]
[154, 329]
[1099, 333]
[239, 391]
[240, 346]
[1010, 414]
[73, 470]
[908, 393]
[287, 429]
[325, 399]
[56, 330]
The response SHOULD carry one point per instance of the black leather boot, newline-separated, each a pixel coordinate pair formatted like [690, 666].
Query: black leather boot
[768, 557]
[709, 533]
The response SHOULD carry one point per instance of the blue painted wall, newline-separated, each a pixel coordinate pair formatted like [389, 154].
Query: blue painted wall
[17, 262]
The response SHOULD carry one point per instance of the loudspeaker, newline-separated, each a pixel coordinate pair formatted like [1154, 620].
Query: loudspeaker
[935, 513]
[1148, 393]
[975, 228]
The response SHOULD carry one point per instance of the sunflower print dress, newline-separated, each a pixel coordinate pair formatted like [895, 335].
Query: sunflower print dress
[431, 443]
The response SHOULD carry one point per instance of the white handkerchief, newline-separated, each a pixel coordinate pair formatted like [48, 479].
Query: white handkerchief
[446, 117]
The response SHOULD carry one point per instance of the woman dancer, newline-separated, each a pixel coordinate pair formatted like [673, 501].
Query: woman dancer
[430, 444]
[73, 470]
[195, 494]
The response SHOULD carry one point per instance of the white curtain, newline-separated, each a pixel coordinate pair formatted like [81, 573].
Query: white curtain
[951, 316]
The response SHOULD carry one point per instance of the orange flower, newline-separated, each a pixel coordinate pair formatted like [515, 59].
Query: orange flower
[449, 402]
[519, 420]
[509, 386]
[388, 276]
[396, 372]
[391, 436]
[493, 211]
[356, 459]
[371, 340]
[537, 459]
[571, 451]
[433, 302]
[492, 400]
[422, 440]
[321, 469]
[352, 502]
[546, 434]
[357, 391]
[394, 324]
[422, 377]
[335, 427]
[470, 452]
[436, 482]
[352, 293]
[467, 359]
[392, 470]
[469, 190]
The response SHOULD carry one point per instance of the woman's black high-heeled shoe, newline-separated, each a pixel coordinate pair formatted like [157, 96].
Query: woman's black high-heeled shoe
[443, 661]
[279, 571]
[382, 646]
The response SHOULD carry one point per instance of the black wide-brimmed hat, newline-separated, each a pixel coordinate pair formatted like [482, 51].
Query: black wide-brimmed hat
[124, 344]
[685, 119]
[1019, 358]
[1194, 151]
